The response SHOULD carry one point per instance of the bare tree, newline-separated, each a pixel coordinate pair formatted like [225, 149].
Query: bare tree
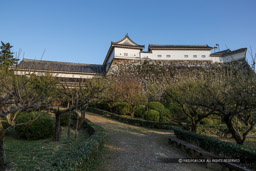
[182, 95]
[230, 94]
[20, 93]
[79, 97]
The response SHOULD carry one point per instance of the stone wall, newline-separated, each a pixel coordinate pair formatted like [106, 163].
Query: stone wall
[159, 75]
[160, 69]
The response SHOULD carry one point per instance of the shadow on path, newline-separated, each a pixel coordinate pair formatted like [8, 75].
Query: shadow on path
[133, 148]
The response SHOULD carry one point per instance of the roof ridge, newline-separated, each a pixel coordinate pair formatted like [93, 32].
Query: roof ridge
[126, 36]
[205, 45]
[72, 63]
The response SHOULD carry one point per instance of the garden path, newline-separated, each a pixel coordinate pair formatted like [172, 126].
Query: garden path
[133, 148]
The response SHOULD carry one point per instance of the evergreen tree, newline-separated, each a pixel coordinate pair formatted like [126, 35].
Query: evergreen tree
[6, 56]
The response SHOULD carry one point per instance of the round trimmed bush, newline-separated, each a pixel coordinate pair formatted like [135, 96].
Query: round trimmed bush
[152, 115]
[156, 106]
[43, 127]
[140, 112]
[165, 114]
[121, 108]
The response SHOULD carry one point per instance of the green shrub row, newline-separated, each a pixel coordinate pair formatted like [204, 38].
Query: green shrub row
[84, 156]
[224, 149]
[133, 121]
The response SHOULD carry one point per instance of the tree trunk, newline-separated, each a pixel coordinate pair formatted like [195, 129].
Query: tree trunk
[81, 119]
[133, 111]
[69, 118]
[236, 135]
[57, 127]
[194, 125]
[77, 119]
[2, 151]
[194, 128]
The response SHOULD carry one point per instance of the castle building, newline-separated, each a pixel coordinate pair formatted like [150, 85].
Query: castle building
[127, 50]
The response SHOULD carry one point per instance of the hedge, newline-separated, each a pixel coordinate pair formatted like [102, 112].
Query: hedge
[133, 121]
[84, 156]
[224, 149]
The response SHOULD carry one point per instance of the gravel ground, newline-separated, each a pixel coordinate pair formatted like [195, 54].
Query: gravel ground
[132, 148]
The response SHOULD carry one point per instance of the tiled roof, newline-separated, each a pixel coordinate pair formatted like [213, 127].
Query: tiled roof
[118, 43]
[28, 64]
[179, 47]
[227, 52]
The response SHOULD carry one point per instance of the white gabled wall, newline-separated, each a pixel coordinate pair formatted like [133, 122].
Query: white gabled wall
[233, 57]
[229, 58]
[131, 53]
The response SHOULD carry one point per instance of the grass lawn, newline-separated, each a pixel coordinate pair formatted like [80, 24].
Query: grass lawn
[39, 154]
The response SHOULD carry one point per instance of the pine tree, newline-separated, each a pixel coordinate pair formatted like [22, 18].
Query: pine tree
[6, 56]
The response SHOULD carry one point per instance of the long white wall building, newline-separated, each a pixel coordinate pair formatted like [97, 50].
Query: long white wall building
[128, 49]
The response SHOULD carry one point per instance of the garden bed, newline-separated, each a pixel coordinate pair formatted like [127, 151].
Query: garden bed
[39, 154]
[46, 154]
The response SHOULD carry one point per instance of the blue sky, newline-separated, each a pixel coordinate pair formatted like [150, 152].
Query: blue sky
[81, 31]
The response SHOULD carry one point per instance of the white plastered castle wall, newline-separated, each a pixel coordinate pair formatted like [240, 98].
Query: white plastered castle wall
[60, 75]
[127, 53]
[203, 55]
[181, 55]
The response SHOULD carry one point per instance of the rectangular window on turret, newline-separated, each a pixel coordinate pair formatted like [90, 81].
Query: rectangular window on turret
[159, 56]
[185, 56]
[194, 56]
[125, 54]
[203, 56]
[168, 56]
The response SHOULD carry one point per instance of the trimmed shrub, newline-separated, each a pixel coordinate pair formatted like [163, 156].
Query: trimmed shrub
[156, 106]
[152, 115]
[227, 149]
[134, 121]
[165, 116]
[43, 127]
[64, 119]
[121, 108]
[140, 112]
[207, 121]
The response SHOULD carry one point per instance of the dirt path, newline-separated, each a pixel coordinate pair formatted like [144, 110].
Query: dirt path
[132, 148]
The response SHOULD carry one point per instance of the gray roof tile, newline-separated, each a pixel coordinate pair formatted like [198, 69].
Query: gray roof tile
[28, 64]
